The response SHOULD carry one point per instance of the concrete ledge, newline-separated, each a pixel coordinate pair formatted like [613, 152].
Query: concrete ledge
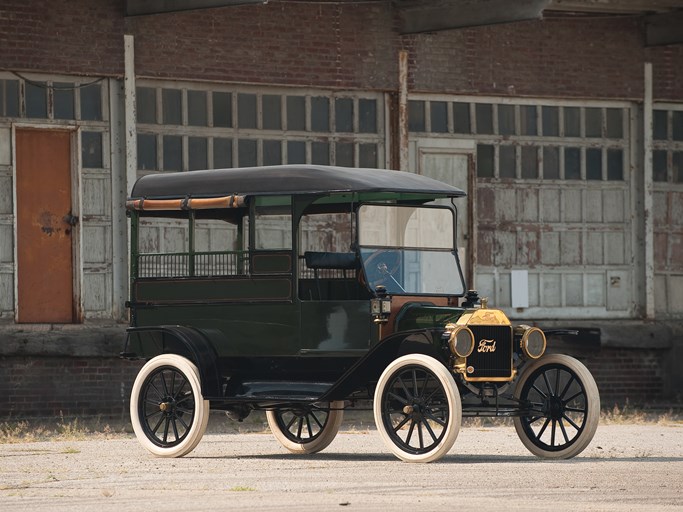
[54, 340]
[632, 334]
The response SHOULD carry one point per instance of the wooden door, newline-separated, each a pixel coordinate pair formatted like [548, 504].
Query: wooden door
[45, 276]
[453, 166]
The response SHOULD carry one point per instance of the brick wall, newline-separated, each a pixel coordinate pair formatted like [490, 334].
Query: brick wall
[78, 386]
[51, 386]
[632, 375]
[339, 46]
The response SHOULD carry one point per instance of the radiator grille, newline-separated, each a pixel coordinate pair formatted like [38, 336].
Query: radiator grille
[491, 364]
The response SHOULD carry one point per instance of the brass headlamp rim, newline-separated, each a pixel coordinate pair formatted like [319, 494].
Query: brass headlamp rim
[452, 340]
[525, 340]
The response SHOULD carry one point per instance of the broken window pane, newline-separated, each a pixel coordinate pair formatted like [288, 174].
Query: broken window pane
[91, 102]
[63, 96]
[461, 118]
[147, 152]
[320, 153]
[91, 149]
[439, 116]
[36, 100]
[222, 109]
[593, 164]
[246, 153]
[659, 165]
[146, 105]
[551, 163]
[343, 109]
[246, 112]
[344, 154]
[572, 122]
[416, 116]
[551, 121]
[197, 153]
[272, 112]
[222, 153]
[296, 152]
[572, 164]
[173, 153]
[171, 106]
[320, 114]
[677, 166]
[367, 116]
[484, 117]
[272, 152]
[12, 98]
[506, 119]
[593, 122]
[506, 162]
[367, 155]
[485, 160]
[615, 123]
[296, 113]
[615, 164]
[196, 108]
[660, 120]
[677, 125]
[529, 162]
[528, 122]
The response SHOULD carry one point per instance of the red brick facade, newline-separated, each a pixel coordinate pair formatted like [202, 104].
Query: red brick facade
[340, 46]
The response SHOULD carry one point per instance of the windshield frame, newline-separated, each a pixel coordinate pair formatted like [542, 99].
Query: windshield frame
[453, 250]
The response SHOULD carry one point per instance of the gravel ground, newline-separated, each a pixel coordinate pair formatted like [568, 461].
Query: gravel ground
[626, 467]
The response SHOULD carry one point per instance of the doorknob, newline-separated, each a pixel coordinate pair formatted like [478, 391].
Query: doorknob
[70, 219]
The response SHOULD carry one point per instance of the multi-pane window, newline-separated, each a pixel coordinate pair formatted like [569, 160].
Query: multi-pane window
[667, 154]
[69, 101]
[191, 128]
[535, 142]
[60, 101]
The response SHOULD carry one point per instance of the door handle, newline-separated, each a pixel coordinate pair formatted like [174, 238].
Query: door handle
[70, 219]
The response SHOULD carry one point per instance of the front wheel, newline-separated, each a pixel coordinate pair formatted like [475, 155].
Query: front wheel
[306, 429]
[167, 410]
[564, 406]
[417, 408]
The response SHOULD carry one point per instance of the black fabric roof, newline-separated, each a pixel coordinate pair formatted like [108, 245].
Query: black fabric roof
[286, 180]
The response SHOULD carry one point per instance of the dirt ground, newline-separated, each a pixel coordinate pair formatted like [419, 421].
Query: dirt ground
[626, 467]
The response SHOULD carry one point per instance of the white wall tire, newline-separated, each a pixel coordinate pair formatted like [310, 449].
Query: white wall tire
[308, 429]
[417, 408]
[566, 405]
[167, 409]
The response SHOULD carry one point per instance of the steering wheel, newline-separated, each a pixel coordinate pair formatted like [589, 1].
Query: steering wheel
[381, 267]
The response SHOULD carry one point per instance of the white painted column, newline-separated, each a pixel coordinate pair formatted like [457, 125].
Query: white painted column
[129, 116]
[124, 154]
[403, 110]
[647, 198]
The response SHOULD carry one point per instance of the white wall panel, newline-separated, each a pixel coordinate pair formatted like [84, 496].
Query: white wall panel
[5, 195]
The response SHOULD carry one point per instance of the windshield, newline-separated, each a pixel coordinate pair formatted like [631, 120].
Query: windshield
[409, 250]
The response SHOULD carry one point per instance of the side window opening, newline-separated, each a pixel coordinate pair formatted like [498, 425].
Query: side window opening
[190, 244]
[328, 264]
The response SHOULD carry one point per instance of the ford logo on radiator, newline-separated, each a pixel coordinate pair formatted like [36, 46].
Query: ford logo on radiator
[487, 346]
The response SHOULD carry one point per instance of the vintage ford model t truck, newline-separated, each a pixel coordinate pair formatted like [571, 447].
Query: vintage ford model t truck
[302, 290]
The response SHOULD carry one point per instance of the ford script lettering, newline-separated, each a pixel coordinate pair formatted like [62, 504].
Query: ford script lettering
[487, 346]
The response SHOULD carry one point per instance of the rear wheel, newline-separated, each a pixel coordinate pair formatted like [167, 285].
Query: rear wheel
[167, 410]
[565, 407]
[417, 408]
[306, 429]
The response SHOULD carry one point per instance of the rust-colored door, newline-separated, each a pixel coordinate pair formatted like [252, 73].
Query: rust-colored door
[44, 227]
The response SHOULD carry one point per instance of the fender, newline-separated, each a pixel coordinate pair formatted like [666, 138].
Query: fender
[176, 339]
[369, 368]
